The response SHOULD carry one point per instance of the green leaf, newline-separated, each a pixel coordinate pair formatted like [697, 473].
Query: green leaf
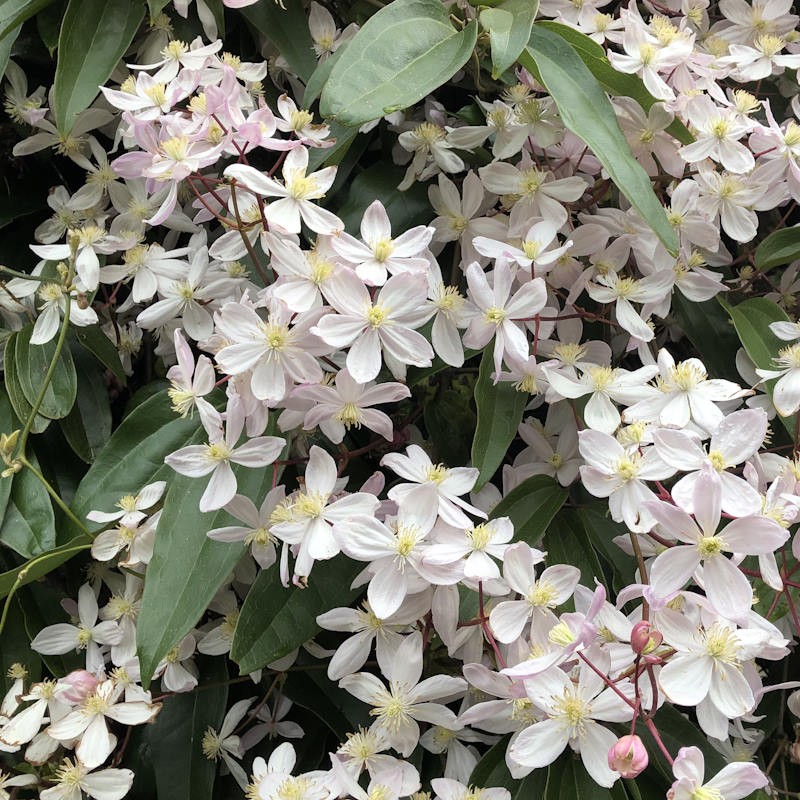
[14, 12]
[22, 408]
[275, 620]
[155, 7]
[8, 423]
[566, 542]
[337, 709]
[531, 506]
[173, 743]
[48, 23]
[41, 565]
[287, 29]
[97, 343]
[709, 329]
[94, 36]
[588, 113]
[320, 76]
[569, 780]
[500, 407]
[133, 457]
[780, 247]
[187, 568]
[16, 649]
[32, 362]
[615, 83]
[6, 43]
[601, 530]
[29, 524]
[509, 26]
[751, 320]
[491, 771]
[87, 427]
[400, 55]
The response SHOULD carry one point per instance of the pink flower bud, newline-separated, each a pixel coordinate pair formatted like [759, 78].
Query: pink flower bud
[628, 756]
[644, 640]
[79, 685]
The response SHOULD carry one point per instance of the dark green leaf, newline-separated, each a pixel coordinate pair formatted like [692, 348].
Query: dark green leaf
[337, 709]
[275, 620]
[333, 156]
[87, 427]
[615, 83]
[14, 12]
[97, 343]
[48, 22]
[509, 26]
[133, 457]
[566, 542]
[401, 54]
[174, 741]
[531, 506]
[94, 36]
[6, 43]
[287, 29]
[155, 7]
[32, 362]
[29, 524]
[187, 568]
[780, 247]
[491, 771]
[569, 780]
[447, 416]
[500, 407]
[16, 648]
[22, 408]
[588, 113]
[8, 423]
[601, 530]
[41, 565]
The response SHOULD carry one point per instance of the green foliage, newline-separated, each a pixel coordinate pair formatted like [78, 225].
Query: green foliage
[588, 113]
[500, 408]
[22, 408]
[400, 55]
[531, 506]
[780, 247]
[509, 25]
[94, 36]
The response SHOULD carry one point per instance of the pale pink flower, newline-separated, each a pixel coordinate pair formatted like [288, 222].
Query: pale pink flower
[731, 783]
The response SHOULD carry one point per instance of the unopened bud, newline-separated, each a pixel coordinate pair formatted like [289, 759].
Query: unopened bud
[79, 685]
[645, 640]
[628, 756]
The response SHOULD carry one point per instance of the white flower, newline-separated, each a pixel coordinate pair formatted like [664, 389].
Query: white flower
[730, 783]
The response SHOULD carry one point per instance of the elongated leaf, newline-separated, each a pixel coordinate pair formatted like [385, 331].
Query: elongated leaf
[588, 113]
[601, 530]
[569, 780]
[16, 649]
[400, 55]
[531, 506]
[751, 320]
[6, 43]
[97, 343]
[28, 525]
[87, 427]
[566, 542]
[41, 565]
[8, 423]
[48, 23]
[320, 76]
[22, 408]
[500, 408]
[94, 36]
[509, 26]
[287, 29]
[274, 620]
[616, 83]
[188, 568]
[780, 247]
[32, 362]
[14, 12]
[173, 743]
[133, 457]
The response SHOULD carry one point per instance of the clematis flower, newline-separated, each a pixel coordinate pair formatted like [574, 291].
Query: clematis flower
[731, 783]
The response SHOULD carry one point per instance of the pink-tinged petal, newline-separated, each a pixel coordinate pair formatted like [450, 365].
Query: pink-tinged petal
[437, 687]
[507, 619]
[595, 744]
[96, 743]
[258, 452]
[136, 713]
[191, 461]
[672, 569]
[686, 679]
[689, 765]
[601, 414]
[739, 498]
[220, 490]
[363, 685]
[518, 567]
[727, 588]
[537, 746]
[108, 784]
[738, 780]
[320, 541]
[675, 521]
[351, 655]
[753, 535]
[56, 639]
[407, 667]
[730, 692]
[786, 395]
[563, 578]
[320, 472]
[708, 500]
[387, 590]
[679, 449]
[364, 359]
[740, 435]
[319, 220]
[254, 180]
[600, 450]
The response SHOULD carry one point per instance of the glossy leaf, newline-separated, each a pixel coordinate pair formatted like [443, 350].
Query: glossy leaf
[287, 29]
[32, 362]
[569, 780]
[97, 343]
[500, 407]
[133, 457]
[94, 36]
[620, 84]
[600, 530]
[6, 43]
[187, 568]
[14, 12]
[87, 427]
[173, 743]
[751, 320]
[780, 247]
[509, 26]
[275, 620]
[22, 408]
[566, 542]
[531, 506]
[400, 55]
[41, 565]
[587, 112]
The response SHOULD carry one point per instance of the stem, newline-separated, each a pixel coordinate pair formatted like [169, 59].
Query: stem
[485, 628]
[24, 275]
[637, 551]
[54, 494]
